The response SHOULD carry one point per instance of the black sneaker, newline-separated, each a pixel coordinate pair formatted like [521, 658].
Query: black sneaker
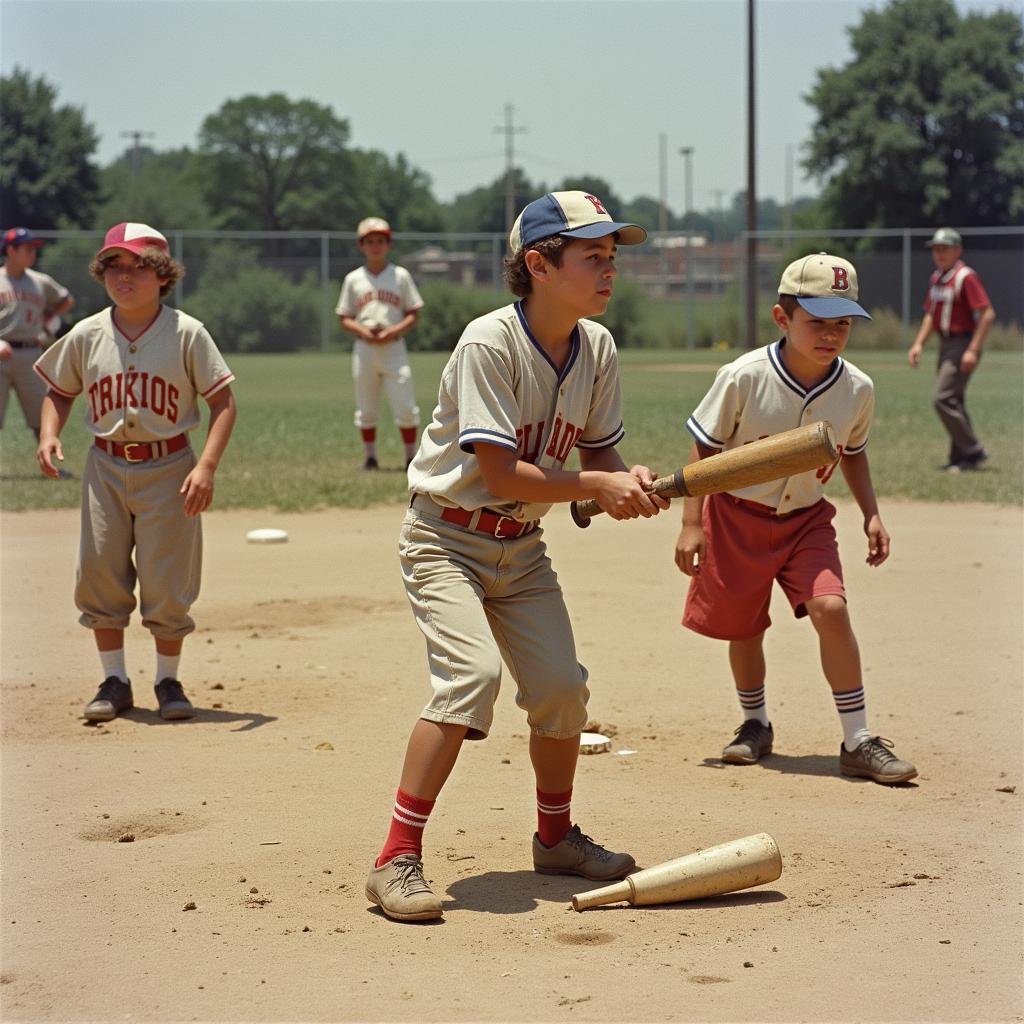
[371, 463]
[174, 705]
[753, 740]
[113, 697]
[975, 461]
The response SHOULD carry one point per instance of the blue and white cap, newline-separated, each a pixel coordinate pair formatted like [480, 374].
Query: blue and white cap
[571, 215]
[824, 285]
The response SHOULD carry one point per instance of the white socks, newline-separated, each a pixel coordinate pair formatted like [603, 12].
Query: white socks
[752, 703]
[113, 664]
[853, 716]
[166, 666]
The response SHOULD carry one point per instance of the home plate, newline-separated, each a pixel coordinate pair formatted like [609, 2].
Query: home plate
[594, 743]
[266, 536]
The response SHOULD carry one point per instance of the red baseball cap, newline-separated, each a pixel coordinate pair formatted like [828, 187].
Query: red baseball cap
[133, 237]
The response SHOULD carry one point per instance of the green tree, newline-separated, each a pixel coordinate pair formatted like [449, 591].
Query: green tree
[162, 189]
[925, 124]
[47, 178]
[271, 163]
[396, 191]
[483, 209]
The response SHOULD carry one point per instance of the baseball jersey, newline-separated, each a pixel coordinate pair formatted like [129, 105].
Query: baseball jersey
[142, 390]
[25, 303]
[500, 387]
[378, 299]
[953, 299]
[755, 396]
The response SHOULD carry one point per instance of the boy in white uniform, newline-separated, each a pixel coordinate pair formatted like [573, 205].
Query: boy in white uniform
[142, 367]
[379, 303]
[734, 546]
[525, 385]
[29, 300]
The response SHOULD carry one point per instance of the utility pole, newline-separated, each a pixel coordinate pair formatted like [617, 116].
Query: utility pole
[751, 282]
[787, 218]
[663, 207]
[136, 137]
[509, 130]
[691, 334]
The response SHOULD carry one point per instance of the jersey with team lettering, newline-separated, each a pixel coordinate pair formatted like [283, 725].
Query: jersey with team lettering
[755, 396]
[378, 299]
[500, 387]
[954, 299]
[26, 302]
[146, 389]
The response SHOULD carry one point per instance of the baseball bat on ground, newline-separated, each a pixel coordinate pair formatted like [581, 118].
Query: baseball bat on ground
[771, 458]
[735, 865]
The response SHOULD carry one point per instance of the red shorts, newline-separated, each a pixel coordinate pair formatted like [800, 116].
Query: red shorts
[748, 548]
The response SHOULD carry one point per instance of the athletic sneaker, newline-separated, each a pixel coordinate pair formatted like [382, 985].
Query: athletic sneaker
[753, 741]
[401, 891]
[113, 697]
[371, 463]
[874, 759]
[578, 854]
[174, 705]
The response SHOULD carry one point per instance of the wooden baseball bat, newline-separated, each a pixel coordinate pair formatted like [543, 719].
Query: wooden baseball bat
[738, 864]
[772, 458]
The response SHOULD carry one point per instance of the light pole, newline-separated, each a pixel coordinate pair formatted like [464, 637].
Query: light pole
[691, 337]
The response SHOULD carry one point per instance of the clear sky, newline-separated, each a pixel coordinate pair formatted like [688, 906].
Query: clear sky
[593, 83]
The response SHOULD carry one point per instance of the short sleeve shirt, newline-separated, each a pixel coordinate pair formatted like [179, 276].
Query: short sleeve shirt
[953, 299]
[500, 387]
[26, 302]
[146, 389]
[378, 299]
[755, 396]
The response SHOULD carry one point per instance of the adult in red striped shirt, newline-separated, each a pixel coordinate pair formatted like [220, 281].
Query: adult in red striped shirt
[958, 309]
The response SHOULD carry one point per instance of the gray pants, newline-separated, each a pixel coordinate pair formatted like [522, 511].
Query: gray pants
[949, 401]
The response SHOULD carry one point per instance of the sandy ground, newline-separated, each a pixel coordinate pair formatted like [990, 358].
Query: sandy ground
[265, 811]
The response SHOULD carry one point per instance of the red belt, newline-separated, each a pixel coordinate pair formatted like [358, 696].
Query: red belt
[487, 521]
[143, 451]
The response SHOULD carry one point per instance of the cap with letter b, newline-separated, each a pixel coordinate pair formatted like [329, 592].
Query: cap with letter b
[824, 285]
[571, 215]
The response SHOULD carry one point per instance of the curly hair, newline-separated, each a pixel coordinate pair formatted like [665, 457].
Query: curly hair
[789, 304]
[168, 269]
[517, 274]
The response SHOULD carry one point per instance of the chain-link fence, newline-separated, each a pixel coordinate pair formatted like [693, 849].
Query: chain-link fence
[276, 291]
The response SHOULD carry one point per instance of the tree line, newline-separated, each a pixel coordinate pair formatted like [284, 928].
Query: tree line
[923, 125]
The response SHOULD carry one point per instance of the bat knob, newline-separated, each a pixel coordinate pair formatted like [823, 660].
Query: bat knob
[581, 521]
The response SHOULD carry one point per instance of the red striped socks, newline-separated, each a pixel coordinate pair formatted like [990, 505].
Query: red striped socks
[408, 819]
[553, 816]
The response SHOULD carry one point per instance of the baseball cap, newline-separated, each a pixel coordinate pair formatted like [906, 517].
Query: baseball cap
[133, 237]
[372, 225]
[824, 285]
[571, 215]
[19, 236]
[945, 236]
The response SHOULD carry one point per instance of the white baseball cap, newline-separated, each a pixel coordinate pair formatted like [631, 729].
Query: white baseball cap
[372, 226]
[134, 238]
[824, 285]
[945, 236]
[571, 215]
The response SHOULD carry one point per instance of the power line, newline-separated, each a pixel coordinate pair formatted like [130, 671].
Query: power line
[510, 131]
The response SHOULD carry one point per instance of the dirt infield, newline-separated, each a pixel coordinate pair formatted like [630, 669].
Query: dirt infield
[265, 811]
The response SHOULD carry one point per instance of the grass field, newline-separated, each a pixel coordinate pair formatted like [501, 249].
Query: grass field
[295, 447]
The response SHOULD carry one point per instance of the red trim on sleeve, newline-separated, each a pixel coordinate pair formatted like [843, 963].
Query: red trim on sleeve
[223, 382]
[53, 387]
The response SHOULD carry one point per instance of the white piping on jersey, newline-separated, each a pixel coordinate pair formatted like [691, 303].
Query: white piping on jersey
[469, 437]
[946, 290]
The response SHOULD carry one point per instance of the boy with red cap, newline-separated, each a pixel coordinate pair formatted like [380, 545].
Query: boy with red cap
[379, 304]
[142, 367]
[28, 301]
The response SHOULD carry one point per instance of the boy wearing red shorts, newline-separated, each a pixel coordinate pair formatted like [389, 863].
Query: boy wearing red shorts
[733, 546]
